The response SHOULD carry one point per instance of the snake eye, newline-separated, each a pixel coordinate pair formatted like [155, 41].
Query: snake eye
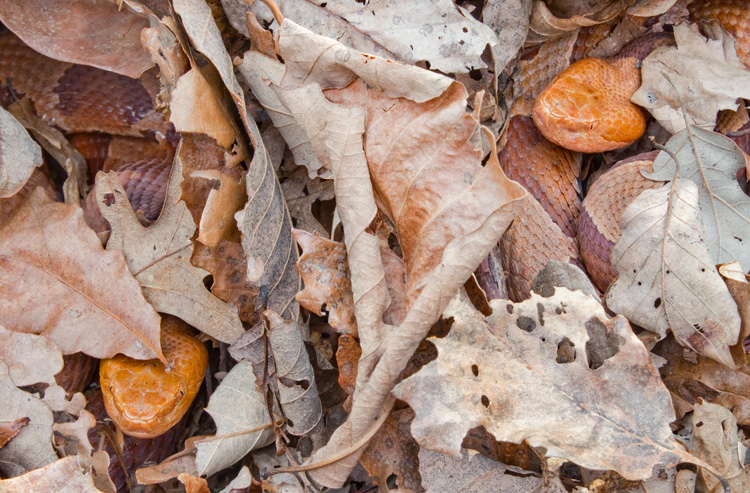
[182, 393]
[111, 388]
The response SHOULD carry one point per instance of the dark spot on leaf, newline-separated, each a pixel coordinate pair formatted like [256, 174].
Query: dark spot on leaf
[540, 313]
[485, 401]
[475, 370]
[109, 199]
[566, 351]
[657, 303]
[602, 344]
[526, 324]
[509, 308]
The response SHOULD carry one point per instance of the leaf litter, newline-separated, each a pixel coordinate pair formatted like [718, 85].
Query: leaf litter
[391, 178]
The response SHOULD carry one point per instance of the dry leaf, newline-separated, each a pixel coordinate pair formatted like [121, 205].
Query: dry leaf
[738, 284]
[224, 200]
[473, 473]
[88, 32]
[197, 108]
[56, 279]
[19, 155]
[32, 447]
[301, 195]
[668, 280]
[712, 161]
[62, 475]
[707, 75]
[159, 257]
[545, 25]
[171, 467]
[692, 379]
[510, 22]
[33, 359]
[715, 440]
[228, 265]
[509, 373]
[193, 484]
[443, 34]
[242, 422]
[328, 287]
[9, 429]
[392, 451]
[243, 481]
[298, 394]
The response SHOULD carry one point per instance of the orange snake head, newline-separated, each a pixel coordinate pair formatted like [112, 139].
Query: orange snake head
[142, 397]
[587, 107]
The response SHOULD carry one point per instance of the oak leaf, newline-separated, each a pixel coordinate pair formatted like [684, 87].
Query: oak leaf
[19, 155]
[61, 475]
[601, 405]
[56, 280]
[159, 257]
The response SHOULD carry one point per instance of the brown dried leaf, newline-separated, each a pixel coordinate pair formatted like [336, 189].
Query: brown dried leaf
[193, 484]
[347, 357]
[738, 284]
[301, 195]
[615, 410]
[668, 280]
[89, 32]
[692, 378]
[61, 475]
[9, 429]
[171, 467]
[707, 75]
[226, 197]
[328, 287]
[545, 25]
[32, 447]
[197, 108]
[159, 257]
[228, 265]
[393, 451]
[19, 155]
[242, 422]
[56, 279]
[298, 393]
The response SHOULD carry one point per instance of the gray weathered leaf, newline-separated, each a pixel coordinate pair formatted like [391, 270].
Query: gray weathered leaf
[19, 155]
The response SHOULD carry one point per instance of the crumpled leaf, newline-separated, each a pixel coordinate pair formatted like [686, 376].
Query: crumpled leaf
[724, 208]
[89, 32]
[604, 409]
[715, 440]
[224, 200]
[473, 473]
[510, 22]
[325, 273]
[56, 279]
[545, 25]
[298, 393]
[301, 194]
[19, 155]
[61, 475]
[442, 33]
[706, 73]
[32, 447]
[667, 279]
[159, 257]
[242, 421]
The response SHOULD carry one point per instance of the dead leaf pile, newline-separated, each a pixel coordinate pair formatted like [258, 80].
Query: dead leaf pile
[331, 228]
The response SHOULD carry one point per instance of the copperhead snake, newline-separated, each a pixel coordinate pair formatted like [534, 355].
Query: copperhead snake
[129, 136]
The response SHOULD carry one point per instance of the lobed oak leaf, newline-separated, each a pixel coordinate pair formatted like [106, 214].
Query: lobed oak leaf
[159, 257]
[668, 280]
[325, 274]
[61, 475]
[56, 280]
[601, 405]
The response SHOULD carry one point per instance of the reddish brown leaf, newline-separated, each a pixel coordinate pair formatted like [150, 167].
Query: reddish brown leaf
[9, 429]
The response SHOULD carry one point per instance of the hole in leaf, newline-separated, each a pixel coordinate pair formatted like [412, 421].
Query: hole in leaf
[566, 351]
[526, 324]
[602, 344]
[109, 199]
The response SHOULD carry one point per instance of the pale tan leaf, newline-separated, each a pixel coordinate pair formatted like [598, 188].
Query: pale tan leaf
[159, 257]
[19, 155]
[707, 75]
[510, 22]
[507, 373]
[242, 421]
[328, 287]
[32, 447]
[62, 475]
[171, 467]
[716, 440]
[668, 280]
[738, 284]
[196, 107]
[88, 32]
[443, 34]
[242, 481]
[298, 393]
[473, 473]
[33, 359]
[55, 279]
[712, 161]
